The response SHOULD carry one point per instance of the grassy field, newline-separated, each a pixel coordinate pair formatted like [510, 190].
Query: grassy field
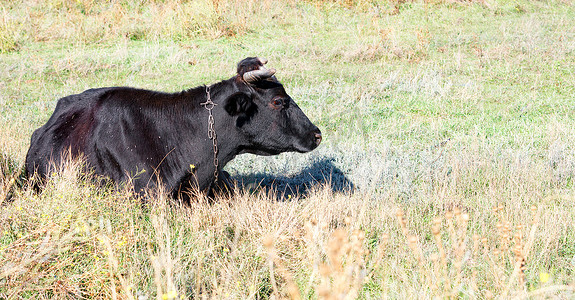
[447, 168]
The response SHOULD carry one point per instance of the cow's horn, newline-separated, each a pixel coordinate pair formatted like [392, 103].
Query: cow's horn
[257, 75]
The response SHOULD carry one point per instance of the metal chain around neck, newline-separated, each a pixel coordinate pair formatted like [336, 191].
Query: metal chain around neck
[209, 105]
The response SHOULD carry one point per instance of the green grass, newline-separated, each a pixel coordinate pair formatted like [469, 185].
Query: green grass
[441, 111]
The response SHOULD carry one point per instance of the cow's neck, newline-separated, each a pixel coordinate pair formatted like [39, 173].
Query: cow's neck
[224, 125]
[225, 128]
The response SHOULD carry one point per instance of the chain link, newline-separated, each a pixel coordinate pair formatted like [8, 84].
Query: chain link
[209, 105]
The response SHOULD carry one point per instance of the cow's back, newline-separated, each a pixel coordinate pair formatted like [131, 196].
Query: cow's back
[120, 132]
[67, 132]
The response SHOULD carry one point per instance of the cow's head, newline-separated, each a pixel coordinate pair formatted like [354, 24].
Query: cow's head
[266, 115]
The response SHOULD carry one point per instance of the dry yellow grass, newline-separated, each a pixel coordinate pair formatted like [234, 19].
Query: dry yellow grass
[87, 21]
[80, 241]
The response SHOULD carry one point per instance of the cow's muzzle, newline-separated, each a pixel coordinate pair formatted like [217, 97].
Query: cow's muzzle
[308, 141]
[317, 136]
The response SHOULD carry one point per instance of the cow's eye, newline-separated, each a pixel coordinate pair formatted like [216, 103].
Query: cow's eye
[277, 102]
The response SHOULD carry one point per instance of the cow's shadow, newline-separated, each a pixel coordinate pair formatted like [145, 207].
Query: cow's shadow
[321, 173]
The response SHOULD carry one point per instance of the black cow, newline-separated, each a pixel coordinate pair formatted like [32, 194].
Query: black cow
[154, 138]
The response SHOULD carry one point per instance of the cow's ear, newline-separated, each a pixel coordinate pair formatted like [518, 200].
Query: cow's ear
[238, 103]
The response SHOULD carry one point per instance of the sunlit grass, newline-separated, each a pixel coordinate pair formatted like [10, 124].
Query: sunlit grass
[75, 239]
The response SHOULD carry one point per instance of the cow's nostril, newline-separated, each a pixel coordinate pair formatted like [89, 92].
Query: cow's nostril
[317, 138]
